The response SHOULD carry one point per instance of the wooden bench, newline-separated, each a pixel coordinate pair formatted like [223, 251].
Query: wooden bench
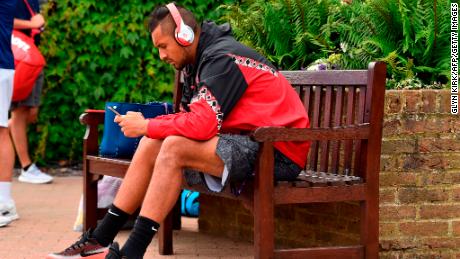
[346, 112]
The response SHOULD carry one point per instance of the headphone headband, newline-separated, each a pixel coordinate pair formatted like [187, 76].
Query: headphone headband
[184, 34]
[175, 15]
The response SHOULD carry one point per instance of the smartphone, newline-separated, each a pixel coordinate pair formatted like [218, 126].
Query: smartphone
[115, 111]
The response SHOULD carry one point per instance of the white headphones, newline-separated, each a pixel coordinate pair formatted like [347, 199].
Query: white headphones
[184, 34]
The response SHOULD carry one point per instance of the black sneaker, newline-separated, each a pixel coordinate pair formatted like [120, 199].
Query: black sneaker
[85, 247]
[114, 252]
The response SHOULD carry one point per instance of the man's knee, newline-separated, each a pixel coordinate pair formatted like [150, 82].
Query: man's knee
[148, 146]
[148, 143]
[173, 148]
[147, 151]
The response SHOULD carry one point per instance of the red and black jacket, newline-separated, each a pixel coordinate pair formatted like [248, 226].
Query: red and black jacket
[232, 89]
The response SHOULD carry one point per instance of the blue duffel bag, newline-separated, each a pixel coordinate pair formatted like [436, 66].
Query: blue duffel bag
[189, 203]
[114, 144]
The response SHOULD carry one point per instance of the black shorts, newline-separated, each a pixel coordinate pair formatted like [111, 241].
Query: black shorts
[239, 154]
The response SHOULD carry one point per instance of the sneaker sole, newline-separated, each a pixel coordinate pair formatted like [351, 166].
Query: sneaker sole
[100, 255]
[11, 217]
[14, 217]
[25, 180]
[4, 224]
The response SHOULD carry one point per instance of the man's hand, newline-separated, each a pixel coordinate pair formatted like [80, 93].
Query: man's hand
[133, 124]
[37, 21]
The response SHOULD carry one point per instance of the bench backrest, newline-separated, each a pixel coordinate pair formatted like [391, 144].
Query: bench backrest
[339, 98]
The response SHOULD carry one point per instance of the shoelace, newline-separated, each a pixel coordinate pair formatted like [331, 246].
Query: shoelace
[83, 239]
[35, 171]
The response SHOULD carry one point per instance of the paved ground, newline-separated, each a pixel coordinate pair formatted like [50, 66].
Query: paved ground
[47, 213]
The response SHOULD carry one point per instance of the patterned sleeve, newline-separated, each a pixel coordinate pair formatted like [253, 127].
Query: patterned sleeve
[221, 84]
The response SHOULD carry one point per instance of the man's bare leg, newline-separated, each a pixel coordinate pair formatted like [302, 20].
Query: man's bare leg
[128, 199]
[131, 192]
[6, 167]
[6, 156]
[177, 153]
[21, 117]
[137, 178]
[18, 127]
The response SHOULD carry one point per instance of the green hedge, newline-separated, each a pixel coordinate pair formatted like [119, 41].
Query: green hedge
[412, 36]
[100, 51]
[97, 51]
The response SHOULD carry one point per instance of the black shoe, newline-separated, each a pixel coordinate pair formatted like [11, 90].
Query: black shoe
[114, 252]
[86, 246]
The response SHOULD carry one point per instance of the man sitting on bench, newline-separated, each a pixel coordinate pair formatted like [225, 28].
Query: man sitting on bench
[229, 89]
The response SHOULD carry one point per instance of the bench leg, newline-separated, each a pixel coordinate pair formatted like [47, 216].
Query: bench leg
[264, 225]
[177, 223]
[370, 228]
[89, 201]
[165, 234]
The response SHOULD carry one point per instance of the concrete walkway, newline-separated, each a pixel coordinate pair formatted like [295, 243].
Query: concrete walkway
[47, 213]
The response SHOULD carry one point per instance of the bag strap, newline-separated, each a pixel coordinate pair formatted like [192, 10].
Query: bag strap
[31, 11]
[166, 108]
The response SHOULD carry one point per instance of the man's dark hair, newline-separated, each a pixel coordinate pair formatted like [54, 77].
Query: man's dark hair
[161, 13]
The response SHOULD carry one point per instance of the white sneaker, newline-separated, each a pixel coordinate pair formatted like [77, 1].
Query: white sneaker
[34, 175]
[8, 211]
[4, 221]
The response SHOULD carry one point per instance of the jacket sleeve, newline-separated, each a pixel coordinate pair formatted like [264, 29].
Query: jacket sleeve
[220, 86]
[198, 124]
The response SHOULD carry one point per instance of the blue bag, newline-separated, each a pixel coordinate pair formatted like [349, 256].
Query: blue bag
[114, 144]
[189, 203]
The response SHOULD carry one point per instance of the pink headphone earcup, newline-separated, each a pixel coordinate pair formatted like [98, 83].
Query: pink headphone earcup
[184, 37]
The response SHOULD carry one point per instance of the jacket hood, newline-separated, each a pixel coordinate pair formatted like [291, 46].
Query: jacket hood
[210, 32]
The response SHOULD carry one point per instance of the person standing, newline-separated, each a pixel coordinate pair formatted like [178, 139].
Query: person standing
[7, 207]
[30, 21]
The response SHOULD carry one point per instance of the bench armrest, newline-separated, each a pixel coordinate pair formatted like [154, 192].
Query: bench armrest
[92, 117]
[272, 134]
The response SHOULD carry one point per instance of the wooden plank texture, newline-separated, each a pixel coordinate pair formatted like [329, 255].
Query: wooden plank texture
[345, 252]
[331, 77]
[294, 134]
[356, 192]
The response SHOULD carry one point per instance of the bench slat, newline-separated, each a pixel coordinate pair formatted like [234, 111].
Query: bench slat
[329, 77]
[107, 166]
[322, 252]
[294, 134]
[324, 161]
[116, 161]
[332, 178]
[337, 122]
[348, 153]
[360, 119]
[314, 115]
[306, 98]
[288, 195]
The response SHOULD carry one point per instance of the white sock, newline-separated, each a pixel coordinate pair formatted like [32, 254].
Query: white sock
[5, 192]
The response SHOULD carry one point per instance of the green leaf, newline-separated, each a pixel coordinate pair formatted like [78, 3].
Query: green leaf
[126, 52]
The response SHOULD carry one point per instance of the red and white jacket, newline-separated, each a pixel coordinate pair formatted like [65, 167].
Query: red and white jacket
[232, 89]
